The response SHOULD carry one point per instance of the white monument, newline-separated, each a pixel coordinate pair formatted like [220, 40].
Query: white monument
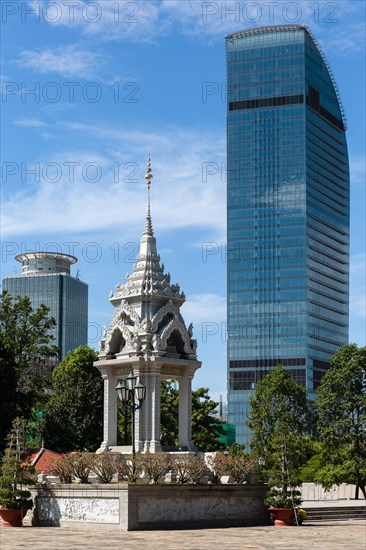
[148, 337]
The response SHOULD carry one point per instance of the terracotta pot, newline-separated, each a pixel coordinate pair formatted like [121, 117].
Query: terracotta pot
[12, 517]
[283, 516]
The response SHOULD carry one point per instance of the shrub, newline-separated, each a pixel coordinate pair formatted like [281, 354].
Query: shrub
[15, 473]
[155, 465]
[81, 464]
[283, 498]
[189, 468]
[131, 469]
[62, 467]
[236, 465]
[106, 465]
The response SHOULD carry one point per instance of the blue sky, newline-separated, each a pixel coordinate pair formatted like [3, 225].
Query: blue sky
[88, 88]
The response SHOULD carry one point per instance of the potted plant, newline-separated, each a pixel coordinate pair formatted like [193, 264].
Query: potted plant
[282, 503]
[279, 418]
[15, 500]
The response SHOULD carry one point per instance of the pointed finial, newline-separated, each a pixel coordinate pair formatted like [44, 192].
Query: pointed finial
[148, 175]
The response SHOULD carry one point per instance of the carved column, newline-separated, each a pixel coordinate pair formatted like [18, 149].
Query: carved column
[185, 412]
[109, 412]
[150, 412]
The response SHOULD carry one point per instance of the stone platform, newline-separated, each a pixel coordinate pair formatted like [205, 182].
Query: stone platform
[340, 535]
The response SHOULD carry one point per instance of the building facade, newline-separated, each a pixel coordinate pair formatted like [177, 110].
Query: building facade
[287, 212]
[46, 279]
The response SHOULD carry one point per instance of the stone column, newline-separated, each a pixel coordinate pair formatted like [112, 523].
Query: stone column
[149, 414]
[185, 412]
[109, 412]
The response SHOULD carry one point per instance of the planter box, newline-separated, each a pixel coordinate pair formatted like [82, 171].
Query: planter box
[137, 507]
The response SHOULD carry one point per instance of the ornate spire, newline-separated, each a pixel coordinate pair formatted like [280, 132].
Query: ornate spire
[148, 277]
[148, 177]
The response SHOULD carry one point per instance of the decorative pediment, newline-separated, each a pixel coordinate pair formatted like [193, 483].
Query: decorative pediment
[125, 322]
[163, 311]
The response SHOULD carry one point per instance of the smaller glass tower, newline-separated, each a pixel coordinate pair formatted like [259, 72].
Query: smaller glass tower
[46, 280]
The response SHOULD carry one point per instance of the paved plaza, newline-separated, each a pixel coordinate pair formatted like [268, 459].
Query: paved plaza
[335, 535]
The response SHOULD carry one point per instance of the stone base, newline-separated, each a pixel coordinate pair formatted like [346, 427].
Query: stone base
[140, 507]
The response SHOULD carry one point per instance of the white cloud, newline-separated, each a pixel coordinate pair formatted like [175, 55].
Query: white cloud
[30, 123]
[137, 21]
[336, 23]
[205, 307]
[67, 61]
[91, 194]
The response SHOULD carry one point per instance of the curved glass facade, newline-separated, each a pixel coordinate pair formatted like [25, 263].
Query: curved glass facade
[287, 212]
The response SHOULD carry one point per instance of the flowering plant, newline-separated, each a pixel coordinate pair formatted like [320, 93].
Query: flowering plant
[62, 468]
[155, 465]
[131, 468]
[81, 464]
[189, 468]
[106, 465]
[235, 465]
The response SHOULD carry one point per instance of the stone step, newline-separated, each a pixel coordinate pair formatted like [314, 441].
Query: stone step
[336, 512]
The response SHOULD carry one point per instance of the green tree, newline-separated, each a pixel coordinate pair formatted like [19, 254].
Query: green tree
[8, 393]
[169, 405]
[341, 406]
[25, 343]
[25, 333]
[279, 418]
[206, 426]
[124, 434]
[74, 414]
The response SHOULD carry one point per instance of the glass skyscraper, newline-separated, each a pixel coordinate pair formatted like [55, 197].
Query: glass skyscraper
[46, 280]
[287, 212]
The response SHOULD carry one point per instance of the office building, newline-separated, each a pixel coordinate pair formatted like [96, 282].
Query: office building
[46, 279]
[287, 212]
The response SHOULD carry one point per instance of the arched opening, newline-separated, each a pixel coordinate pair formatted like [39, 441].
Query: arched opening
[117, 342]
[175, 344]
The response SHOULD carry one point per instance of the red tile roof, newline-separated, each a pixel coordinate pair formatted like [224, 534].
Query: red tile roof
[42, 459]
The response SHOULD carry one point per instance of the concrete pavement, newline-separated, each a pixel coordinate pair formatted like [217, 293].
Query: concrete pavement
[335, 535]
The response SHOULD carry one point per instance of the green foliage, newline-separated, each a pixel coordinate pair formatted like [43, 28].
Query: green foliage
[124, 435]
[283, 498]
[169, 404]
[25, 343]
[279, 418]
[237, 449]
[314, 451]
[15, 474]
[8, 392]
[26, 333]
[74, 413]
[206, 427]
[341, 406]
